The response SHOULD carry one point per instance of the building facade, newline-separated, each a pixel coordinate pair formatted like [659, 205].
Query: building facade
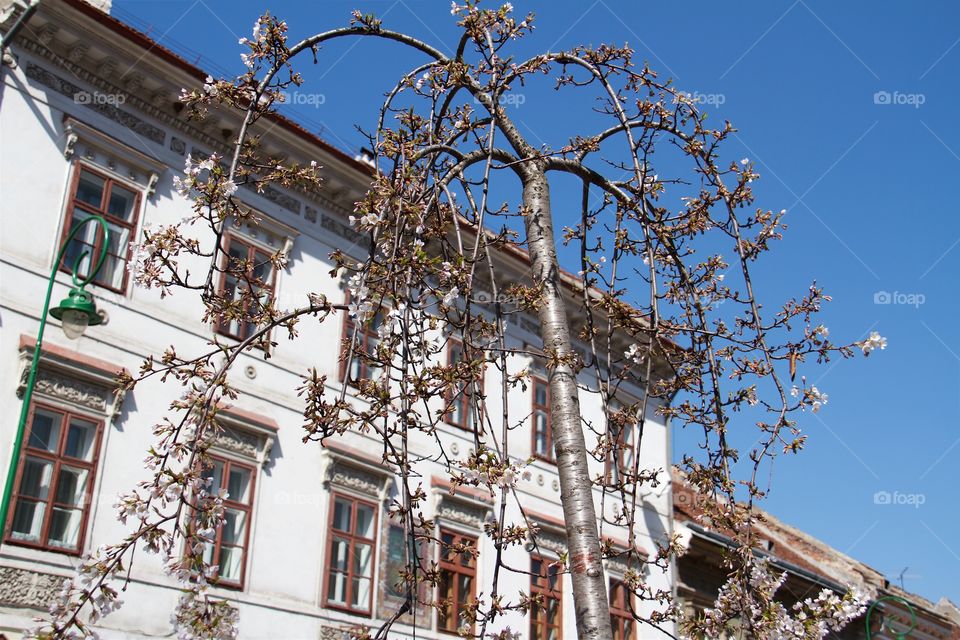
[91, 124]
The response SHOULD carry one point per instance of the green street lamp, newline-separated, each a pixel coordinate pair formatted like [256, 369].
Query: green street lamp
[76, 312]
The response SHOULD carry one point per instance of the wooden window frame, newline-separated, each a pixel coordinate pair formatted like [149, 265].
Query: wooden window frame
[229, 503]
[365, 333]
[221, 325]
[621, 610]
[455, 568]
[550, 456]
[540, 586]
[462, 398]
[74, 203]
[616, 459]
[57, 459]
[352, 539]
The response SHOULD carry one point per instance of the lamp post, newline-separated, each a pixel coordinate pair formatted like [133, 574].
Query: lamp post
[75, 312]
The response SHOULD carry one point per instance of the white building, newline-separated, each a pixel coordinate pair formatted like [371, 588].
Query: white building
[90, 123]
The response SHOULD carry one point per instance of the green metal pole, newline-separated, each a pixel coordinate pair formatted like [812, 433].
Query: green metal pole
[34, 362]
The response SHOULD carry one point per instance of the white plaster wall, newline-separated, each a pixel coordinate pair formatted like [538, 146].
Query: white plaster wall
[283, 589]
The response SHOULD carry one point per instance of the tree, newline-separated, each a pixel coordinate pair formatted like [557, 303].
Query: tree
[435, 237]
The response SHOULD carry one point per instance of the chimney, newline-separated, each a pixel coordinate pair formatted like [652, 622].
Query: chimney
[103, 5]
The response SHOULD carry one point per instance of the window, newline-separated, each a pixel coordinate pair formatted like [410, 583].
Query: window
[350, 554]
[542, 436]
[52, 499]
[400, 554]
[367, 339]
[460, 397]
[546, 621]
[458, 571]
[228, 551]
[621, 427]
[621, 611]
[93, 193]
[246, 268]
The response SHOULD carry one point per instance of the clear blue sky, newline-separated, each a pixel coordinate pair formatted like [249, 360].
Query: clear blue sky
[865, 177]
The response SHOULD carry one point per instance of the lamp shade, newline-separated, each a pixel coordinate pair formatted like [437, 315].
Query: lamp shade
[76, 312]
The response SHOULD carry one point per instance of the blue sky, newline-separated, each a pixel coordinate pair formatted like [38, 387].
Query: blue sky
[848, 110]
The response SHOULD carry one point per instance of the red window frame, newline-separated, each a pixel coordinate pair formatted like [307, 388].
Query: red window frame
[57, 459]
[453, 566]
[102, 210]
[256, 255]
[539, 382]
[246, 508]
[546, 582]
[460, 398]
[352, 539]
[366, 336]
[621, 611]
[623, 444]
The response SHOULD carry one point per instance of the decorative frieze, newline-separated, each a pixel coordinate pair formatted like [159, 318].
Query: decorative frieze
[462, 512]
[31, 589]
[57, 386]
[239, 442]
[105, 108]
[551, 540]
[344, 231]
[340, 474]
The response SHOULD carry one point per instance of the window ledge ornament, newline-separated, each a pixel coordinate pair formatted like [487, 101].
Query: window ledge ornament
[140, 168]
[247, 435]
[551, 535]
[343, 467]
[468, 507]
[27, 588]
[71, 378]
[623, 562]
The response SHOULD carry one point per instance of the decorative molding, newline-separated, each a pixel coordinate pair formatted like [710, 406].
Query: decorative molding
[460, 511]
[245, 444]
[115, 152]
[60, 85]
[355, 471]
[335, 633]
[177, 145]
[78, 52]
[244, 435]
[344, 231]
[340, 474]
[278, 197]
[25, 588]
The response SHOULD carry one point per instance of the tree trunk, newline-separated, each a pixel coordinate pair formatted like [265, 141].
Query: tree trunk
[576, 488]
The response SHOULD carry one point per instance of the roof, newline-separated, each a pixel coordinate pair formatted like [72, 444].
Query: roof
[153, 47]
[794, 550]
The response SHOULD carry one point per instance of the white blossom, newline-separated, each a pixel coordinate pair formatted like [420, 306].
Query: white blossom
[875, 341]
